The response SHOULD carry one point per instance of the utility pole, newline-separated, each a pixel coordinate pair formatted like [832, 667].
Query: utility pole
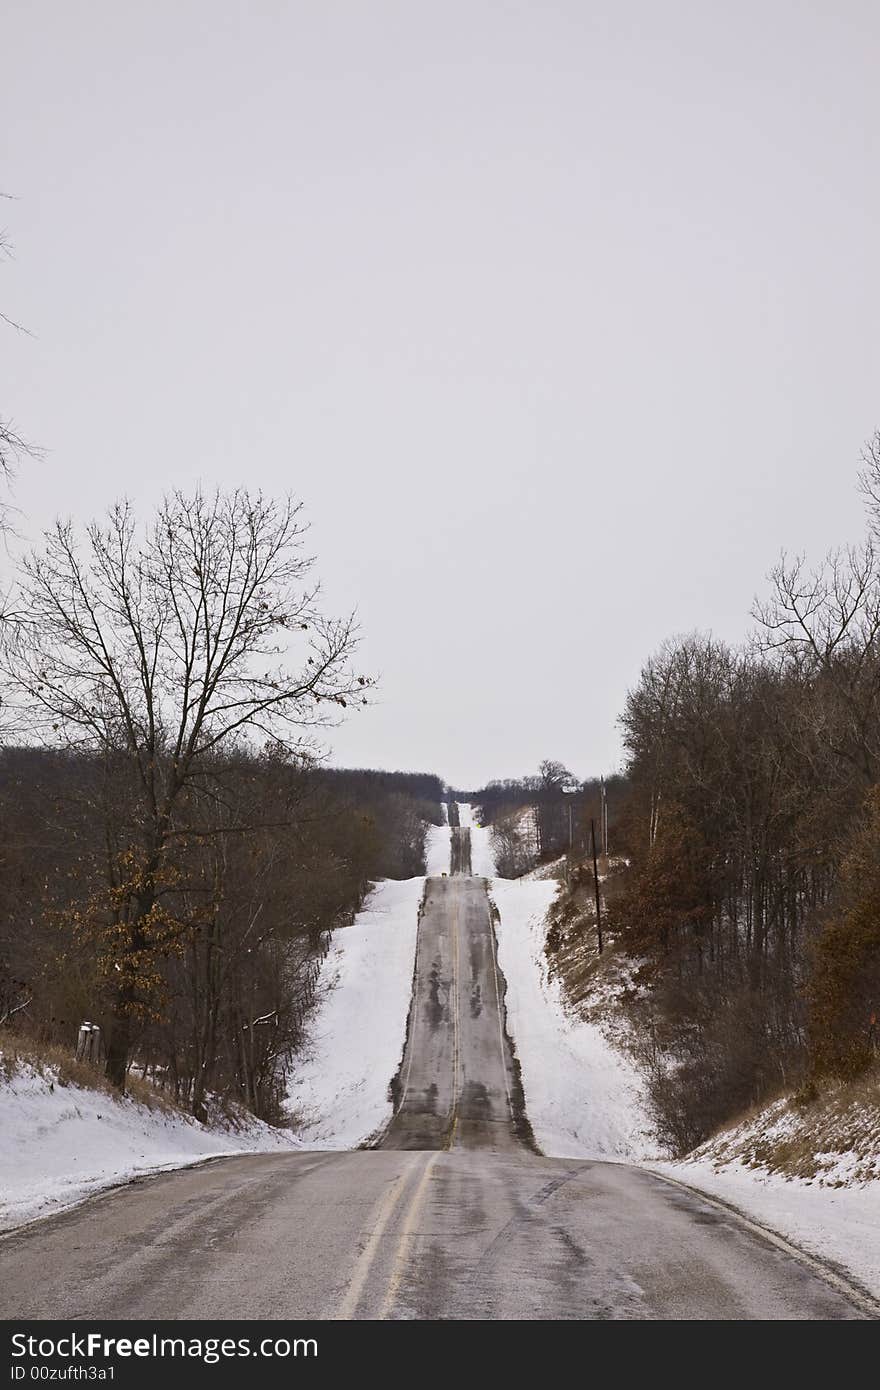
[604, 819]
[596, 879]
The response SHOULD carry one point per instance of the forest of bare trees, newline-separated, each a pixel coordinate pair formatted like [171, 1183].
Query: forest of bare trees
[752, 824]
[561, 814]
[175, 856]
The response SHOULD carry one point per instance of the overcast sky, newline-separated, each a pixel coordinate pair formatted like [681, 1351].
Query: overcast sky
[561, 318]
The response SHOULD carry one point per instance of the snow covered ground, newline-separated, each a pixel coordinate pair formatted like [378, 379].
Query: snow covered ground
[839, 1225]
[61, 1143]
[482, 854]
[339, 1089]
[585, 1100]
[437, 850]
[809, 1171]
[583, 1097]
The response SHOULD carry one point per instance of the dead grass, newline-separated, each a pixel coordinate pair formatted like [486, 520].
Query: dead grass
[830, 1136]
[58, 1066]
[594, 985]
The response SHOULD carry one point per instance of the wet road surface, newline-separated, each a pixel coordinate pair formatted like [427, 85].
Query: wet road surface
[452, 1215]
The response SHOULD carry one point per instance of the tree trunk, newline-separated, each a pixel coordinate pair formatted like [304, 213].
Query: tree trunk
[119, 1046]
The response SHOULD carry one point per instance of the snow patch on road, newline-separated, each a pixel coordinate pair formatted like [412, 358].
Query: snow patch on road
[583, 1097]
[61, 1143]
[339, 1091]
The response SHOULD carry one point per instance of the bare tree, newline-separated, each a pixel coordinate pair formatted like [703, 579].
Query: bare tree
[824, 625]
[159, 648]
[869, 482]
[554, 775]
[12, 445]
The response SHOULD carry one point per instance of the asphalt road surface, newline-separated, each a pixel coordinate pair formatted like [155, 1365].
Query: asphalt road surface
[460, 849]
[458, 1086]
[452, 1215]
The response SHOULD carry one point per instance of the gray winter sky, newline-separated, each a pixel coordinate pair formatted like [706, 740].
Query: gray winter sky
[560, 317]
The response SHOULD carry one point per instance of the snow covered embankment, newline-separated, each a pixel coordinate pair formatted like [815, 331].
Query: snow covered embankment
[828, 1202]
[339, 1094]
[583, 1097]
[585, 1100]
[59, 1143]
[339, 1089]
[437, 849]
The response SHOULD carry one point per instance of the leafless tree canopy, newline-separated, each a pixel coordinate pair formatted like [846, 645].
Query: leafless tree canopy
[751, 825]
[170, 643]
[163, 649]
[12, 446]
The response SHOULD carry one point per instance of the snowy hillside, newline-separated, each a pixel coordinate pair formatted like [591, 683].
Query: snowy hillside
[807, 1168]
[583, 1097]
[437, 849]
[585, 1100]
[339, 1089]
[839, 1225]
[61, 1143]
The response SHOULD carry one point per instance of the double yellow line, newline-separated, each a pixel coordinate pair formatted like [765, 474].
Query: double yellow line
[407, 1236]
[395, 1197]
[385, 1211]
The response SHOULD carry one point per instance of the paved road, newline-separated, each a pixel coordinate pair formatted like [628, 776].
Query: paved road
[452, 1216]
[458, 1086]
[404, 1234]
[460, 849]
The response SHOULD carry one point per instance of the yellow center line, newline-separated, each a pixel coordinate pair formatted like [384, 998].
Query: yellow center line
[383, 1213]
[407, 1235]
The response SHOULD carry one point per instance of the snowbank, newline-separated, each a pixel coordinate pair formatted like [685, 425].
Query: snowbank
[839, 1225]
[482, 854]
[809, 1170]
[584, 1098]
[339, 1089]
[437, 850]
[61, 1143]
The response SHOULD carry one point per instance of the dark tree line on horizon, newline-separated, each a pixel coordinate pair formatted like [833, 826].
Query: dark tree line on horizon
[560, 808]
[222, 996]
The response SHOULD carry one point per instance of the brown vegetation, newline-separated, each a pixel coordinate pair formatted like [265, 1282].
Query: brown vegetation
[175, 858]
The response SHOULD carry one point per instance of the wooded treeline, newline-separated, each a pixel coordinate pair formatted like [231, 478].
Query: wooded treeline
[538, 818]
[222, 991]
[752, 820]
[175, 857]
